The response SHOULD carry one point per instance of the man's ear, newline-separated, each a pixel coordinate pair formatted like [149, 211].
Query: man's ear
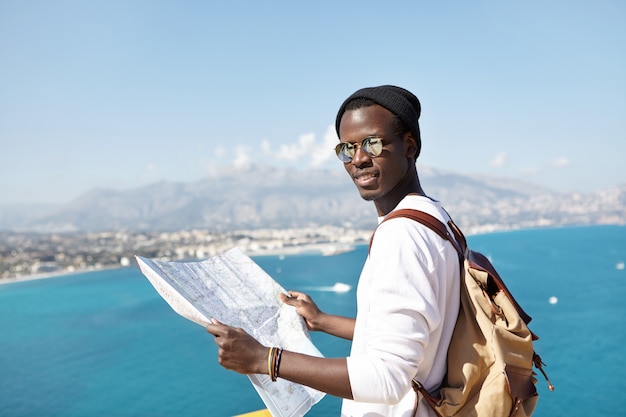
[410, 144]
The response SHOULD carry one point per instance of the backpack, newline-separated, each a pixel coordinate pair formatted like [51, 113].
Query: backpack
[491, 356]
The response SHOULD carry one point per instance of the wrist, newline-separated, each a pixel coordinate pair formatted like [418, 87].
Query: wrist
[322, 322]
[273, 362]
[319, 323]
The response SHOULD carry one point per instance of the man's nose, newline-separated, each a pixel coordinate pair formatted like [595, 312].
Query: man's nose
[360, 157]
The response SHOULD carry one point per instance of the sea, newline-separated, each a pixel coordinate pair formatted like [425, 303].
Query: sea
[104, 343]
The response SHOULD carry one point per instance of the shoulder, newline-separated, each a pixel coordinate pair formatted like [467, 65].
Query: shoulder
[400, 239]
[404, 234]
[424, 204]
[408, 229]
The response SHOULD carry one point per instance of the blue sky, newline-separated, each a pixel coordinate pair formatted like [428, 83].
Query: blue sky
[119, 94]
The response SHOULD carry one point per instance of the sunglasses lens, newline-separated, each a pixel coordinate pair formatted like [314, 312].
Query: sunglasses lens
[373, 146]
[345, 151]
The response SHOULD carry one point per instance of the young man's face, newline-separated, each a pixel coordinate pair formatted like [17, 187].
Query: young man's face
[376, 178]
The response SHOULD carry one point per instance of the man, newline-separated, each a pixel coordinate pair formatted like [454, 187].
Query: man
[408, 291]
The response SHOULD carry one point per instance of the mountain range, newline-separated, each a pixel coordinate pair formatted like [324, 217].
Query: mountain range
[270, 197]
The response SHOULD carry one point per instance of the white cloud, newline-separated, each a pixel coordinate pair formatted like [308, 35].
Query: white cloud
[499, 160]
[326, 152]
[314, 153]
[242, 157]
[561, 162]
[305, 151]
[294, 151]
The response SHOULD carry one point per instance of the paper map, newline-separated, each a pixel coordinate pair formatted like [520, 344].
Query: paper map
[234, 290]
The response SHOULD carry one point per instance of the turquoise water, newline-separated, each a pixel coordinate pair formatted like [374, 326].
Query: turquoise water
[105, 344]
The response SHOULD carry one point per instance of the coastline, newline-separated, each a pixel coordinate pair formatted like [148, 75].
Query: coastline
[252, 248]
[324, 249]
[56, 274]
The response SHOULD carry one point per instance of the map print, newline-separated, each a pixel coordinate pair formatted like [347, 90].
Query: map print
[234, 290]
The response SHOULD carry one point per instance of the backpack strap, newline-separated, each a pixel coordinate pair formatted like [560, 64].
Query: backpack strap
[476, 259]
[434, 224]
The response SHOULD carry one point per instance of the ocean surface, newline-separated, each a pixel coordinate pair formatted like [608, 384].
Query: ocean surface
[105, 343]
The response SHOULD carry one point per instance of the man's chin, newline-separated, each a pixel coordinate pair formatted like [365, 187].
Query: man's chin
[368, 195]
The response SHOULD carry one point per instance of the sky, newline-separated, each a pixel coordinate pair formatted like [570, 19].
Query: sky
[120, 94]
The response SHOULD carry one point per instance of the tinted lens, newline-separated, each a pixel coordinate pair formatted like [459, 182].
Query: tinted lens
[372, 146]
[345, 151]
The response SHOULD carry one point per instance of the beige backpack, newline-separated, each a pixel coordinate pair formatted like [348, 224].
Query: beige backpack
[491, 356]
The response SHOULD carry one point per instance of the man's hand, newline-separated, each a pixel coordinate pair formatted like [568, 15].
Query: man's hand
[305, 307]
[315, 319]
[238, 351]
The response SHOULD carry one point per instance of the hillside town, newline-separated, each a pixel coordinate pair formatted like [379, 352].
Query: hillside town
[24, 255]
[28, 254]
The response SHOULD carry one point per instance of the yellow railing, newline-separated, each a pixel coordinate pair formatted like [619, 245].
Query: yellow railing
[260, 413]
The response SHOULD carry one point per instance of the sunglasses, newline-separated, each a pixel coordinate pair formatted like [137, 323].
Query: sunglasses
[371, 145]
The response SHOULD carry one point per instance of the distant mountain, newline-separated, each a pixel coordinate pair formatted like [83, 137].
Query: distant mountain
[266, 197]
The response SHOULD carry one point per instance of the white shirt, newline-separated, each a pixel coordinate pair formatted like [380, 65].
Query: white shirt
[407, 306]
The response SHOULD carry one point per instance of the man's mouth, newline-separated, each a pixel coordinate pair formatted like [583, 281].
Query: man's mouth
[365, 179]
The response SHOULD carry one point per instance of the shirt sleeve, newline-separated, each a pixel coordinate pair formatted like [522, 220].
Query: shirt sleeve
[402, 310]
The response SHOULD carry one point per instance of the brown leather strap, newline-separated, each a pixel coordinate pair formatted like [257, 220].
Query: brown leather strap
[432, 223]
[430, 400]
[476, 259]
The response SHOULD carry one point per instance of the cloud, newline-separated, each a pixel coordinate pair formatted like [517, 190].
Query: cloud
[306, 151]
[295, 151]
[313, 153]
[499, 160]
[326, 153]
[242, 160]
[561, 162]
